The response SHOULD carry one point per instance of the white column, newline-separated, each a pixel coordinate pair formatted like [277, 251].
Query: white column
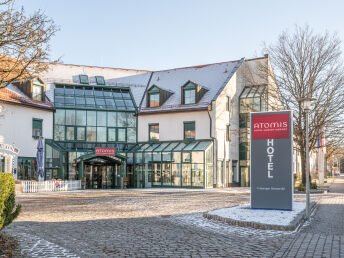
[8, 163]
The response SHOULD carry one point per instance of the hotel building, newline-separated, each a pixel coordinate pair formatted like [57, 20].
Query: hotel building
[184, 127]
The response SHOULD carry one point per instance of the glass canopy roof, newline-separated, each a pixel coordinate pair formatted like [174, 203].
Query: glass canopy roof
[87, 96]
[170, 146]
[252, 91]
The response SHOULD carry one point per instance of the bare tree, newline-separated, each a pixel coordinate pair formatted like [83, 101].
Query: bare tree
[24, 43]
[306, 64]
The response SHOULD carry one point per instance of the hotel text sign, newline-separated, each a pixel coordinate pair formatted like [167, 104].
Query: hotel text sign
[272, 160]
[9, 147]
[100, 151]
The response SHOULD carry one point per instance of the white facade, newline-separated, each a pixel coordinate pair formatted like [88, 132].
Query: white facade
[16, 129]
[171, 125]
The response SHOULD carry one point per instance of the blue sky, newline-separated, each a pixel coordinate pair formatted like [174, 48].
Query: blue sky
[161, 34]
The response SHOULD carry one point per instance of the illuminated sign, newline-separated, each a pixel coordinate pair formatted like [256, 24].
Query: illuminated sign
[101, 151]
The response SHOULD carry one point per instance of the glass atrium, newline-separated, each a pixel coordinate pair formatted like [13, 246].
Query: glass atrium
[172, 164]
[252, 99]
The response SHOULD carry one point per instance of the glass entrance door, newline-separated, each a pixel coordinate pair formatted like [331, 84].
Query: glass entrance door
[116, 176]
[156, 174]
[166, 174]
[97, 177]
[101, 176]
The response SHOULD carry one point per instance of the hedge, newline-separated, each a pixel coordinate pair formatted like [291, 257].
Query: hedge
[8, 209]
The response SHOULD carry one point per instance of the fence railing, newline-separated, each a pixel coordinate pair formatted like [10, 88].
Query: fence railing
[50, 186]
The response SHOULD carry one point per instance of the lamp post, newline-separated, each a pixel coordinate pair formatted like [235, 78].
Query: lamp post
[306, 104]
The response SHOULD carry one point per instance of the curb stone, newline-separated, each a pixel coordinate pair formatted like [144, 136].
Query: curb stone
[296, 222]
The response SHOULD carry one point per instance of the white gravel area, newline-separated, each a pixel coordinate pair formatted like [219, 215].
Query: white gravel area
[270, 217]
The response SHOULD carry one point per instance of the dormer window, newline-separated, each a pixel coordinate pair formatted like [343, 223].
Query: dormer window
[83, 78]
[37, 90]
[154, 97]
[192, 93]
[100, 80]
[189, 92]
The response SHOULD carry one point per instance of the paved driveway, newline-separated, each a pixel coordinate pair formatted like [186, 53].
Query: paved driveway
[144, 223]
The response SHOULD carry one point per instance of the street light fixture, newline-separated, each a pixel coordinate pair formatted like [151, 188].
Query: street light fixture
[306, 104]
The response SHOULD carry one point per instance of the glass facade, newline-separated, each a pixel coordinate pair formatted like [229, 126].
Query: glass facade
[252, 99]
[94, 126]
[172, 164]
[87, 117]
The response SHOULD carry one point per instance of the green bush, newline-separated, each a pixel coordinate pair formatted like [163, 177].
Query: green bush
[314, 185]
[8, 209]
[301, 188]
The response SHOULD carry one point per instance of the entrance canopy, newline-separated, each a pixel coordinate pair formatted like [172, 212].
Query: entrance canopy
[171, 146]
[93, 158]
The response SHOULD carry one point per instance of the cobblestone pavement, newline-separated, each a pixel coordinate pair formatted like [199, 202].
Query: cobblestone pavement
[323, 236]
[138, 223]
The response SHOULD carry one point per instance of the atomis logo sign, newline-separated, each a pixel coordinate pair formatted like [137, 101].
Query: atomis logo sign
[273, 126]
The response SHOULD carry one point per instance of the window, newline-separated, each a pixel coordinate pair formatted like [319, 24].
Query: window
[80, 133]
[154, 132]
[70, 133]
[59, 133]
[227, 103]
[121, 134]
[100, 80]
[227, 133]
[154, 97]
[83, 79]
[189, 130]
[101, 134]
[111, 134]
[37, 127]
[91, 134]
[37, 92]
[189, 94]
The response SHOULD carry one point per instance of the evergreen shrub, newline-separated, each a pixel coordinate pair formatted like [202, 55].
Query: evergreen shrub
[8, 209]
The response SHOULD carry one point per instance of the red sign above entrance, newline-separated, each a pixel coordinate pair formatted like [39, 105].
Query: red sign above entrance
[273, 126]
[101, 151]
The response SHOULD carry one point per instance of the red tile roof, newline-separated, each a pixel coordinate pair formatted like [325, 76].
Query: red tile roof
[13, 95]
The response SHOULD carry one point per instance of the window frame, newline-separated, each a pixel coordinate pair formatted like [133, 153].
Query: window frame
[184, 135]
[76, 133]
[82, 80]
[107, 133]
[101, 81]
[41, 123]
[41, 87]
[125, 134]
[149, 132]
[153, 91]
[189, 86]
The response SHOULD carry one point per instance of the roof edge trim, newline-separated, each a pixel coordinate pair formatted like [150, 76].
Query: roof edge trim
[228, 78]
